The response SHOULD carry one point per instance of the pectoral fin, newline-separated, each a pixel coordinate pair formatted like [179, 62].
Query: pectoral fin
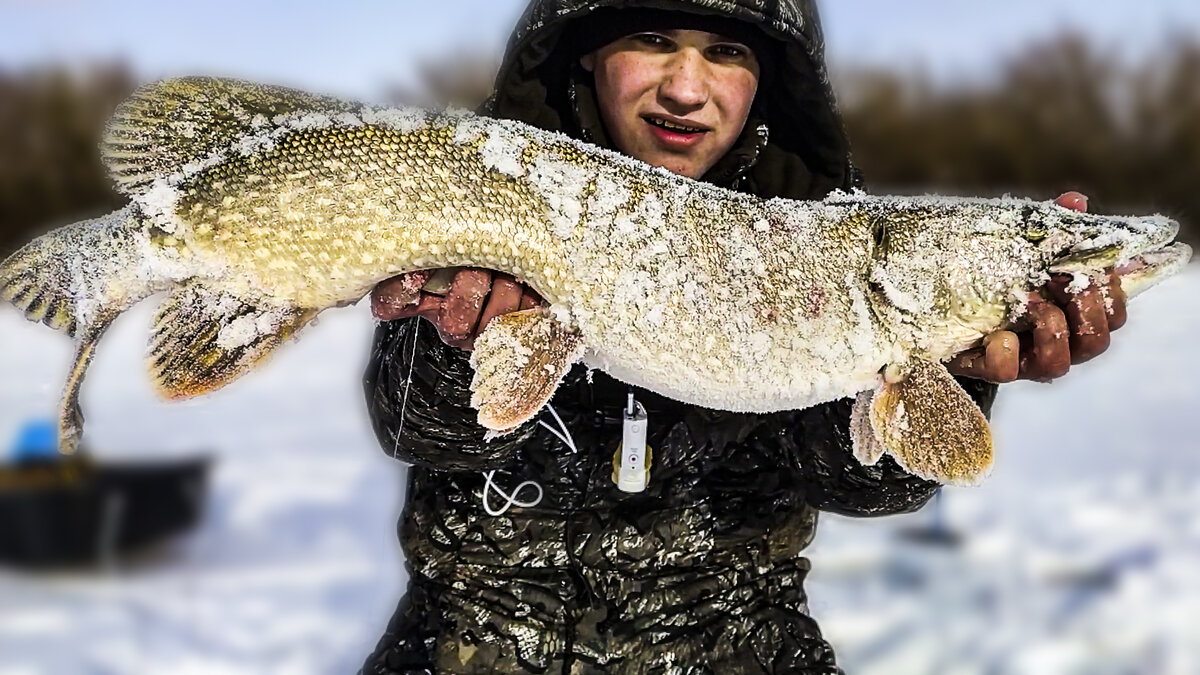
[933, 429]
[519, 359]
[867, 448]
[204, 339]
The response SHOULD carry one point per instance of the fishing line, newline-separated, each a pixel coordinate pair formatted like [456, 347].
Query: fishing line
[412, 359]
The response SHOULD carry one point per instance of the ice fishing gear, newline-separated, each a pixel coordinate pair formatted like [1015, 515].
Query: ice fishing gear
[631, 462]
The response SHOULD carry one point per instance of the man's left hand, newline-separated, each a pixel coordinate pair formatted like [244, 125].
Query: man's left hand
[1060, 329]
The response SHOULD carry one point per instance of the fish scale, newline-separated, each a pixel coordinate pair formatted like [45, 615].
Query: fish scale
[256, 208]
[319, 227]
[312, 224]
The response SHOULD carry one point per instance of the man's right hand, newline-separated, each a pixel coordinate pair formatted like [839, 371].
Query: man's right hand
[476, 296]
[1060, 329]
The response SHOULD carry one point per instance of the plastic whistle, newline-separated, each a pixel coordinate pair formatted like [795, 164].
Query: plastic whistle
[631, 463]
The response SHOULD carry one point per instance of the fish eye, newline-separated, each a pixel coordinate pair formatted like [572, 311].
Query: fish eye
[1035, 234]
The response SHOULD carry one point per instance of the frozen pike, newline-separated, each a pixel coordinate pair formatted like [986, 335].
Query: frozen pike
[256, 208]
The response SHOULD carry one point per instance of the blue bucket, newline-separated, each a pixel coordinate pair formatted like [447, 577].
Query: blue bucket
[37, 440]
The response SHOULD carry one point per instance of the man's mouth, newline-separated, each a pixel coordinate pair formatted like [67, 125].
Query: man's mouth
[674, 136]
[674, 127]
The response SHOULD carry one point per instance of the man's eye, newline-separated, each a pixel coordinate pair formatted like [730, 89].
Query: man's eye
[729, 51]
[653, 39]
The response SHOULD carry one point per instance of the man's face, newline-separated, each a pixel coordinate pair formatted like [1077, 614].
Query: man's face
[677, 99]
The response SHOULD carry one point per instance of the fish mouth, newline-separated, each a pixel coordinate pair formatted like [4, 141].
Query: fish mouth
[1117, 241]
[1146, 269]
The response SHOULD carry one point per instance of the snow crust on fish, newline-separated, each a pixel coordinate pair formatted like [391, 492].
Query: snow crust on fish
[661, 302]
[706, 295]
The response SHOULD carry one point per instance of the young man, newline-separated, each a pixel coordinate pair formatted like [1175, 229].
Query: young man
[523, 555]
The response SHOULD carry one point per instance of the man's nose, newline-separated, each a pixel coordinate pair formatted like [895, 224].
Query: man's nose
[685, 84]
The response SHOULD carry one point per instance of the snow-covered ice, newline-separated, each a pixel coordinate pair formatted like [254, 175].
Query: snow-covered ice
[1079, 555]
[1081, 552]
[295, 568]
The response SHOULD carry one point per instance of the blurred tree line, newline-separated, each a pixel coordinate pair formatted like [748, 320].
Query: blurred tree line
[1062, 115]
[50, 125]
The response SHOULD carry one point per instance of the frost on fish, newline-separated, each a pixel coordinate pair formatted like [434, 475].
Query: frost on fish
[518, 364]
[203, 338]
[258, 208]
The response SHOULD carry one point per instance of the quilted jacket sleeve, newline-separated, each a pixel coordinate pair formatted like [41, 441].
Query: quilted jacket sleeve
[419, 402]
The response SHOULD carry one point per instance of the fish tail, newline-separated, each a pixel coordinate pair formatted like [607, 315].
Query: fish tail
[25, 283]
[77, 279]
[69, 277]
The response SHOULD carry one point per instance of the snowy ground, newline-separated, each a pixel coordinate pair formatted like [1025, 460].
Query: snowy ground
[296, 567]
[1080, 555]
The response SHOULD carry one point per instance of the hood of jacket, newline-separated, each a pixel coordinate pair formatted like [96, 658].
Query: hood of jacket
[793, 146]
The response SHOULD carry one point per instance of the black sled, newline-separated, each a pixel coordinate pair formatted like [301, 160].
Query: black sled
[75, 511]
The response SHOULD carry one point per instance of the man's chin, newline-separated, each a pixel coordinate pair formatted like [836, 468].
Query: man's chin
[686, 172]
[690, 164]
[683, 167]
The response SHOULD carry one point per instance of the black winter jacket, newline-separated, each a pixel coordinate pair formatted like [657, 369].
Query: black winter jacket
[702, 572]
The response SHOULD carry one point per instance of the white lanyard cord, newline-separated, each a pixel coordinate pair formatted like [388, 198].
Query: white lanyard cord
[565, 436]
[511, 499]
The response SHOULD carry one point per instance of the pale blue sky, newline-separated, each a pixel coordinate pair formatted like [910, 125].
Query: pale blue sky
[353, 48]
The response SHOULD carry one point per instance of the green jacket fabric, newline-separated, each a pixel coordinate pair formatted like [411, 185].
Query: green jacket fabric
[700, 573]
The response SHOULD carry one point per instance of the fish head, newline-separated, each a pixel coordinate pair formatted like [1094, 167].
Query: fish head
[1142, 249]
[936, 259]
[945, 272]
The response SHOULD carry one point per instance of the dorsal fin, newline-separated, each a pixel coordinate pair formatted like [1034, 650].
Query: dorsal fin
[167, 125]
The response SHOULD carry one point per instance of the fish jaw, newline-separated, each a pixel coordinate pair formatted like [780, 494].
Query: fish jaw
[1086, 243]
[1141, 250]
[1149, 269]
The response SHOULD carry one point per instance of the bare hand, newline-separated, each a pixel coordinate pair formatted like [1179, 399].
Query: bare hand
[1059, 330]
[476, 296]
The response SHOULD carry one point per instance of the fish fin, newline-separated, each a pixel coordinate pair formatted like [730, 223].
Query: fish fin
[37, 295]
[70, 277]
[519, 359]
[204, 339]
[930, 425]
[166, 125]
[70, 417]
[867, 448]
